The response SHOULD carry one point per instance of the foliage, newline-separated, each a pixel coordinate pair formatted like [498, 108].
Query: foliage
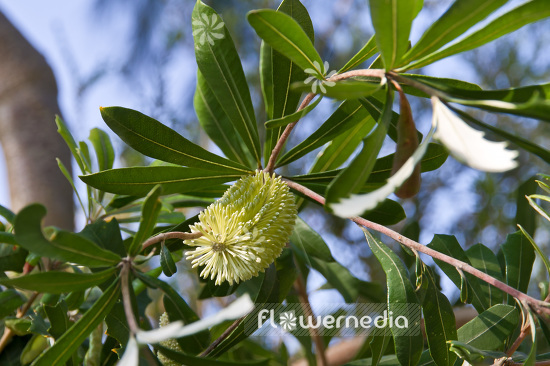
[71, 287]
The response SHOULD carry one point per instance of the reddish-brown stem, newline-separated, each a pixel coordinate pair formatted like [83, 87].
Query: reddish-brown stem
[170, 235]
[537, 305]
[8, 333]
[126, 299]
[284, 136]
[223, 336]
[306, 306]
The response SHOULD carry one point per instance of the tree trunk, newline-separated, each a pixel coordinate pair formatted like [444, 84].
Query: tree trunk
[28, 104]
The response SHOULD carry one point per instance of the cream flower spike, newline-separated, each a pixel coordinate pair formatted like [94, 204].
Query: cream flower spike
[468, 145]
[245, 230]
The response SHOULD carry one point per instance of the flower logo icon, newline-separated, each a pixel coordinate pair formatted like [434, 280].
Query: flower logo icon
[287, 320]
[317, 83]
[208, 29]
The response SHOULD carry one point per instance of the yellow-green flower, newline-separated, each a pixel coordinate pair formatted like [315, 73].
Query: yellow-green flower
[245, 230]
[170, 344]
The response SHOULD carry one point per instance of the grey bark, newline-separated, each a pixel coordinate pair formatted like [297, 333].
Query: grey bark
[28, 134]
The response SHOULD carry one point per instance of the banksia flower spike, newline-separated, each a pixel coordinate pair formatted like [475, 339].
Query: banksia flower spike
[245, 230]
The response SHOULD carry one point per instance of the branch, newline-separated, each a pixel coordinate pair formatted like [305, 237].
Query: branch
[377, 73]
[222, 337]
[306, 306]
[537, 305]
[126, 299]
[170, 235]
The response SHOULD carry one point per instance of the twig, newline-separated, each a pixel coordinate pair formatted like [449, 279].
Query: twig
[537, 305]
[126, 299]
[377, 73]
[170, 235]
[284, 136]
[317, 340]
[222, 337]
[8, 333]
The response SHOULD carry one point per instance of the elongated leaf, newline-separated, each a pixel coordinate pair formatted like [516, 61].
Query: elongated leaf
[490, 329]
[283, 121]
[217, 124]
[356, 204]
[310, 242]
[346, 89]
[149, 213]
[59, 321]
[7, 214]
[154, 139]
[543, 257]
[201, 361]
[392, 22]
[69, 178]
[467, 145]
[65, 246]
[14, 261]
[341, 147]
[460, 17]
[526, 217]
[181, 311]
[539, 151]
[408, 347]
[69, 342]
[7, 238]
[368, 50]
[103, 148]
[516, 18]
[278, 73]
[219, 63]
[64, 132]
[519, 257]
[439, 322]
[447, 244]
[352, 177]
[58, 282]
[471, 354]
[138, 181]
[285, 35]
[167, 262]
[348, 114]
[485, 260]
[10, 300]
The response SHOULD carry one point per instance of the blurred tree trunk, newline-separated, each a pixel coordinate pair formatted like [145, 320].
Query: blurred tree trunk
[28, 104]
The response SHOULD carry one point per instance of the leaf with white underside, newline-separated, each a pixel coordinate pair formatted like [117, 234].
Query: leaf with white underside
[237, 309]
[131, 355]
[356, 204]
[468, 145]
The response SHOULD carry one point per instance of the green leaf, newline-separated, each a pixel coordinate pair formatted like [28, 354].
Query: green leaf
[485, 260]
[103, 148]
[519, 256]
[180, 310]
[353, 177]
[10, 300]
[155, 140]
[69, 342]
[286, 36]
[386, 213]
[471, 354]
[59, 321]
[69, 178]
[408, 347]
[54, 282]
[63, 130]
[7, 214]
[309, 241]
[459, 18]
[543, 257]
[106, 235]
[368, 50]
[532, 356]
[219, 63]
[167, 262]
[217, 124]
[348, 114]
[378, 345]
[149, 213]
[65, 246]
[439, 322]
[490, 329]
[277, 73]
[527, 13]
[185, 359]
[448, 245]
[7, 238]
[138, 181]
[13, 261]
[392, 22]
[539, 151]
[283, 121]
[526, 217]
